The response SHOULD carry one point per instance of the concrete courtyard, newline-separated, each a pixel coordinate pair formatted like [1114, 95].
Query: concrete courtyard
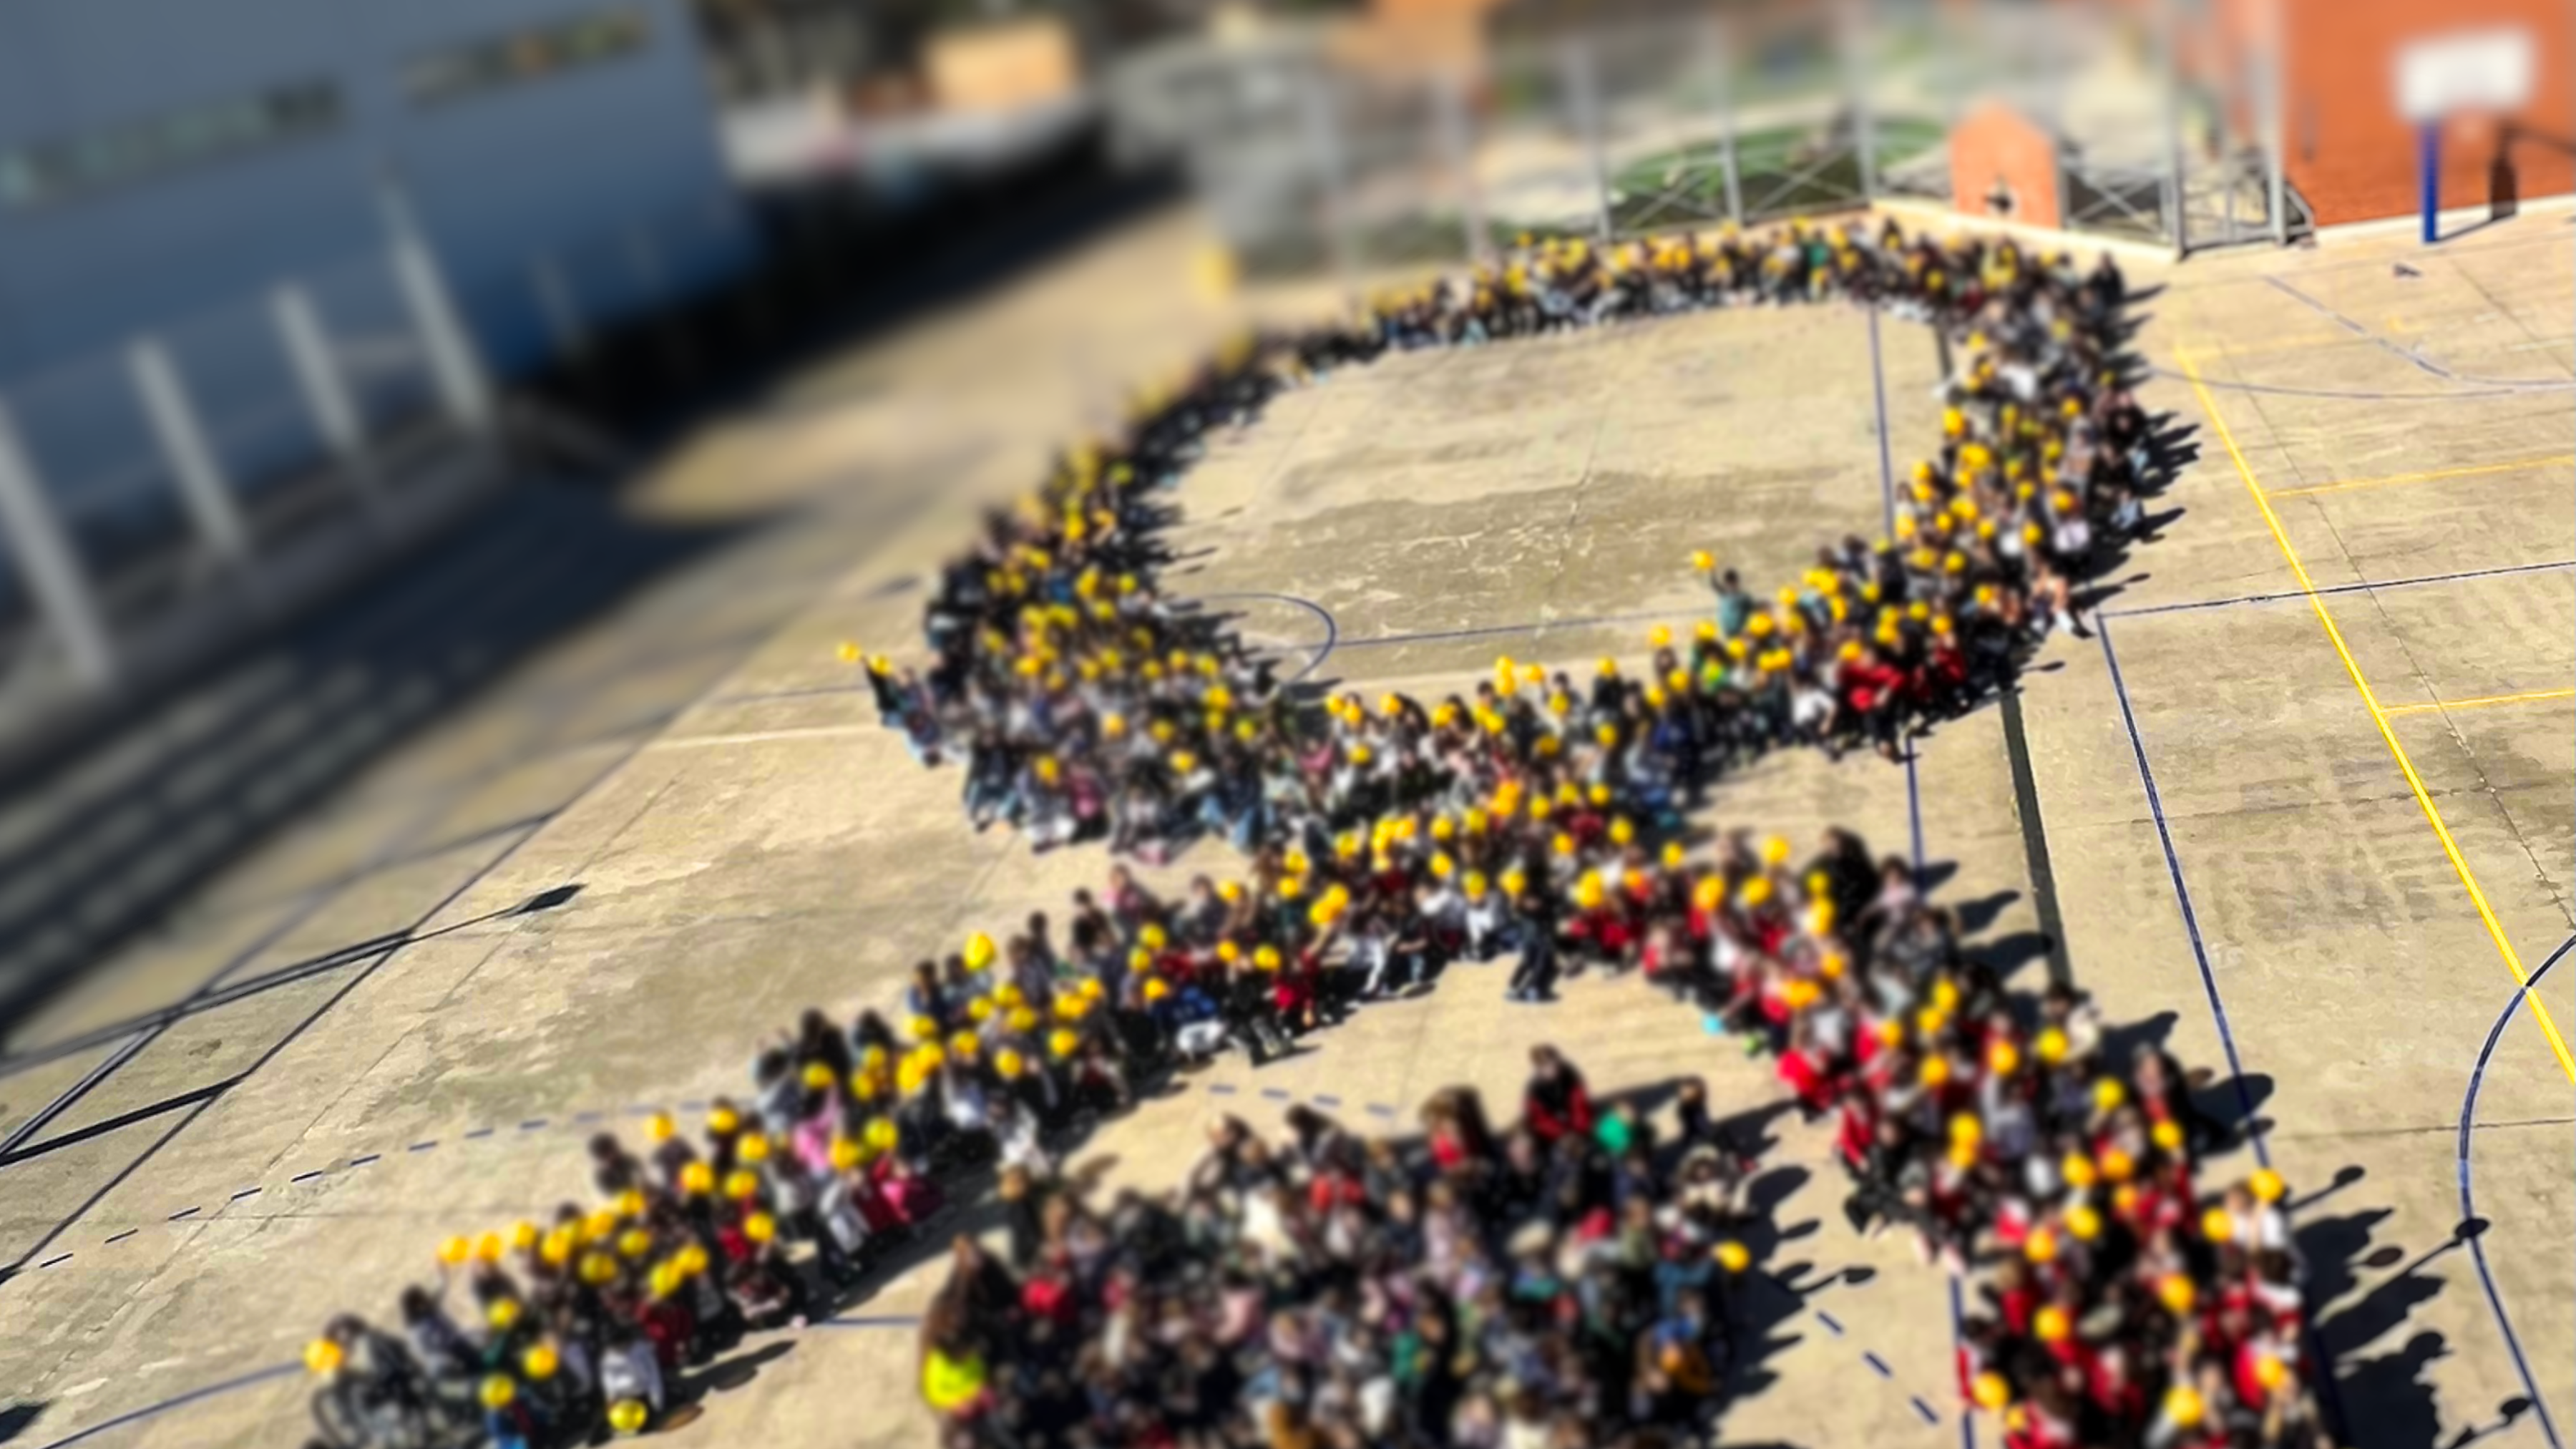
[2304, 803]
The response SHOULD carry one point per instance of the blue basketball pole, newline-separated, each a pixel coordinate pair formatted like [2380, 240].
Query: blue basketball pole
[2428, 150]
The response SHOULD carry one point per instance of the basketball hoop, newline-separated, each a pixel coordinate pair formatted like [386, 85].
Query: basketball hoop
[2472, 76]
[2472, 71]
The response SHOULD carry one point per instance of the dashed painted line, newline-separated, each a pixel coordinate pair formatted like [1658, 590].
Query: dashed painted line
[1323, 1099]
[428, 1144]
[1380, 1109]
[57, 1258]
[1276, 1094]
[1832, 1324]
[1920, 1407]
[1877, 1364]
[1221, 1089]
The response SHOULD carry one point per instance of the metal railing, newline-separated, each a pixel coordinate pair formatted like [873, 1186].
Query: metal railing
[191, 457]
[1758, 112]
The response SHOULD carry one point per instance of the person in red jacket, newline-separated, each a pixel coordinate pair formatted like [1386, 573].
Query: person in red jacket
[1555, 1104]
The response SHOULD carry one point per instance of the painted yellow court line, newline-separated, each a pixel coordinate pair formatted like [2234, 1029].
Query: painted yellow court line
[2379, 717]
[2482, 701]
[2554, 460]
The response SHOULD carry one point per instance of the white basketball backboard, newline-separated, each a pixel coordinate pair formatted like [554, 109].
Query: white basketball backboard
[2470, 70]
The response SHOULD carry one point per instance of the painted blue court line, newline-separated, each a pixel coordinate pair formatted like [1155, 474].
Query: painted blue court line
[57, 1258]
[793, 693]
[1832, 1325]
[422, 1146]
[186, 1212]
[481, 1132]
[1276, 1094]
[2483, 388]
[121, 1237]
[1958, 1335]
[532, 1124]
[1487, 631]
[1886, 461]
[2182, 896]
[1380, 1109]
[1332, 627]
[1877, 1365]
[2363, 587]
[870, 1320]
[1914, 808]
[306, 1176]
[2468, 1197]
[1913, 820]
[245, 1192]
[134, 1416]
[1323, 1099]
[363, 1161]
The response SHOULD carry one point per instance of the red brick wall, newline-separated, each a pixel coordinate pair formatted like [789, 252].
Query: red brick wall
[1997, 144]
[2352, 155]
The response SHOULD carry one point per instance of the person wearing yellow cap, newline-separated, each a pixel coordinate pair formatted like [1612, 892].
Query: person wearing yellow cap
[631, 1373]
[1536, 919]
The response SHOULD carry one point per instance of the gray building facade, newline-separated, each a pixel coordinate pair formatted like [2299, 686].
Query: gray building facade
[160, 159]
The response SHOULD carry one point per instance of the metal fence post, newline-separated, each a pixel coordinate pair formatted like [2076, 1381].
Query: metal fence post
[2276, 199]
[1323, 138]
[2177, 202]
[1457, 137]
[1855, 18]
[452, 363]
[202, 486]
[326, 393]
[1713, 38]
[1583, 98]
[56, 579]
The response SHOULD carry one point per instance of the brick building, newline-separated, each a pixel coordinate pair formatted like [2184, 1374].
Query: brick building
[2344, 144]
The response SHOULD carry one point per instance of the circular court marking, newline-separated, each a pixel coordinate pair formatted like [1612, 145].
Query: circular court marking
[1322, 650]
[2468, 1197]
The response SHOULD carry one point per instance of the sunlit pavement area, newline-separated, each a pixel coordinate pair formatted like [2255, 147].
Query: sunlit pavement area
[2303, 803]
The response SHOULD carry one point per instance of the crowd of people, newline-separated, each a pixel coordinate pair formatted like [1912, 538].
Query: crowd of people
[1569, 1282]
[1082, 703]
[1539, 817]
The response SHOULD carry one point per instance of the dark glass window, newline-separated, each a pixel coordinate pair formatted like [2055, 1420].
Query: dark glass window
[497, 62]
[48, 173]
